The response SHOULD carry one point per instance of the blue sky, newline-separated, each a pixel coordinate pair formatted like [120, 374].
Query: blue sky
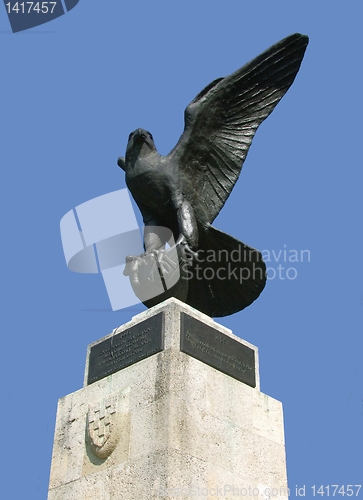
[72, 90]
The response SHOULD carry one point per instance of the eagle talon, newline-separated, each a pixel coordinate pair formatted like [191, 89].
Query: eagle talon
[186, 251]
[131, 268]
[163, 261]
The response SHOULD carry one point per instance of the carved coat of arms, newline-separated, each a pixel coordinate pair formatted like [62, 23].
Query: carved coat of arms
[104, 428]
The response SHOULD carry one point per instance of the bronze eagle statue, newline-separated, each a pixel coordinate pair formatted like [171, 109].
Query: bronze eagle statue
[179, 195]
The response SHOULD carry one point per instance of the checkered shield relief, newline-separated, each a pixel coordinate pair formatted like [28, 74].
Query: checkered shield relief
[98, 235]
[102, 429]
[24, 15]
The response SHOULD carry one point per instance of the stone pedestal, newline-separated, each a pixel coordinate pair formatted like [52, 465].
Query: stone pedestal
[169, 423]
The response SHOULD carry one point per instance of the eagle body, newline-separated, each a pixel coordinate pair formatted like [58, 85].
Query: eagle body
[185, 190]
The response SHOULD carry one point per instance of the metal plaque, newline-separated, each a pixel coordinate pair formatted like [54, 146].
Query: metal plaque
[126, 348]
[217, 350]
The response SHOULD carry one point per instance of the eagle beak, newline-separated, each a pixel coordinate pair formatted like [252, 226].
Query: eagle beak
[121, 163]
[141, 133]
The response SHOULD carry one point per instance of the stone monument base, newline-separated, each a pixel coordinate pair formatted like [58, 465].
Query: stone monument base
[171, 407]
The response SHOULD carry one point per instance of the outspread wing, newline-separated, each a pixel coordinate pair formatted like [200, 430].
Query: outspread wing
[221, 122]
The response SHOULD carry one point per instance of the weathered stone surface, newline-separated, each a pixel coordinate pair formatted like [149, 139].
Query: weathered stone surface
[180, 424]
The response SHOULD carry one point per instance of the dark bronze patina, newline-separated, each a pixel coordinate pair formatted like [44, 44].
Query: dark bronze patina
[185, 190]
[217, 350]
[126, 348]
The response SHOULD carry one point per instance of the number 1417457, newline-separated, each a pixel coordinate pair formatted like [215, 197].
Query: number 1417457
[333, 490]
[28, 7]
